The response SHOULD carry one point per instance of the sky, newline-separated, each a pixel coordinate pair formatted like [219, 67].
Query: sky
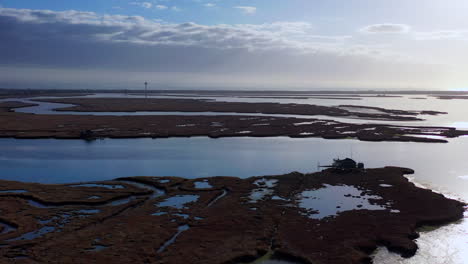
[234, 44]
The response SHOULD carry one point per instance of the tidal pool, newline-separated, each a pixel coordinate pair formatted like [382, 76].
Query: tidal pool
[331, 200]
[178, 201]
[202, 185]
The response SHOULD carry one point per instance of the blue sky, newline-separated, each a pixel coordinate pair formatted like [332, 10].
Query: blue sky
[302, 44]
[422, 14]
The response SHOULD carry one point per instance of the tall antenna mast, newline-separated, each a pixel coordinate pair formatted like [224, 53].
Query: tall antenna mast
[146, 89]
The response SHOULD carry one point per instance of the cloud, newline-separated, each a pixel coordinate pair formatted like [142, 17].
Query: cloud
[84, 47]
[386, 29]
[142, 4]
[48, 26]
[248, 10]
[442, 35]
[209, 5]
[161, 7]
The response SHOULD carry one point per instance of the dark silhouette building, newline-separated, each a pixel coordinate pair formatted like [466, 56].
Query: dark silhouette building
[345, 164]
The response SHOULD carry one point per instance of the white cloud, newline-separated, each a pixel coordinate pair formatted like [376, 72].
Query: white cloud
[142, 4]
[161, 7]
[280, 54]
[297, 37]
[209, 5]
[387, 28]
[442, 35]
[248, 10]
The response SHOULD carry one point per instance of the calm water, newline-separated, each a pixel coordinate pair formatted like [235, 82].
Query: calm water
[456, 117]
[441, 167]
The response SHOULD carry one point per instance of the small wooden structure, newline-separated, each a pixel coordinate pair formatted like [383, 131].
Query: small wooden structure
[345, 164]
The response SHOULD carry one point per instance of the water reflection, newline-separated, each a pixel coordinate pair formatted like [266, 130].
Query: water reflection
[202, 184]
[332, 200]
[445, 245]
[438, 166]
[454, 118]
[178, 201]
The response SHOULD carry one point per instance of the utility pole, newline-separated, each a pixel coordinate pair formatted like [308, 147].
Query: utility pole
[146, 89]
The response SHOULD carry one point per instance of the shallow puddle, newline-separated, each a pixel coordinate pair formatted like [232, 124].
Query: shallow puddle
[159, 213]
[266, 189]
[385, 185]
[97, 248]
[178, 201]
[96, 185]
[259, 194]
[202, 185]
[87, 211]
[7, 228]
[13, 191]
[180, 229]
[185, 216]
[164, 181]
[332, 200]
[38, 204]
[34, 234]
[156, 191]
